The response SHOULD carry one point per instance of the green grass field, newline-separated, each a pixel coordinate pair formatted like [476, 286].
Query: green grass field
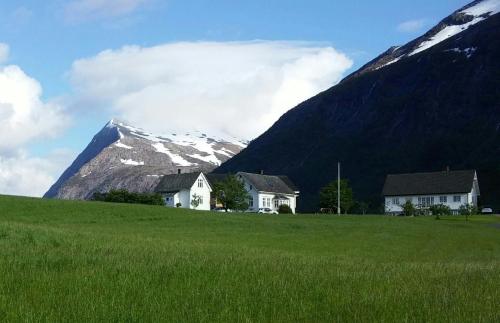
[77, 261]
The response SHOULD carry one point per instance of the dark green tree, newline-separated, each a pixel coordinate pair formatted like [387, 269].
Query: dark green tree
[328, 196]
[409, 209]
[231, 194]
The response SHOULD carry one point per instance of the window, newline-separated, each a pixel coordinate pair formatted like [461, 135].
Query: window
[443, 199]
[276, 204]
[266, 202]
[426, 201]
[200, 199]
[251, 187]
[395, 200]
[200, 182]
[457, 199]
[250, 201]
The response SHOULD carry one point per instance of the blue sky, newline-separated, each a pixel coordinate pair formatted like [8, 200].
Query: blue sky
[291, 40]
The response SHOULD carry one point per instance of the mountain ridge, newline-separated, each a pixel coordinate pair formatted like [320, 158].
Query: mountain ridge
[124, 156]
[437, 108]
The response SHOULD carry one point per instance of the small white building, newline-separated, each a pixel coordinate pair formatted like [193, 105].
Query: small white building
[190, 191]
[269, 192]
[450, 188]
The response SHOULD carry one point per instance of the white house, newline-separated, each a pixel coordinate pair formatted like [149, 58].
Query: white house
[451, 188]
[190, 191]
[269, 192]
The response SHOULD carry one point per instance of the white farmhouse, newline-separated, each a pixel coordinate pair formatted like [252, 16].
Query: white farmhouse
[190, 191]
[451, 188]
[269, 192]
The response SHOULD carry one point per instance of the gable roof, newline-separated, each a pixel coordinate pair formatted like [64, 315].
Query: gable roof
[447, 182]
[177, 182]
[269, 183]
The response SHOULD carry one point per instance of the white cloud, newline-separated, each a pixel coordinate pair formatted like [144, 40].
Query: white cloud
[21, 174]
[24, 119]
[240, 88]
[4, 53]
[23, 115]
[412, 26]
[81, 10]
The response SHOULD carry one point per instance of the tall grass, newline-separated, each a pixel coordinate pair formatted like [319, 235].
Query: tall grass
[95, 262]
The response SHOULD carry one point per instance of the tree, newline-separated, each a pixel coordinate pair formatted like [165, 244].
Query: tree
[231, 193]
[409, 209]
[328, 196]
[195, 202]
[468, 210]
[363, 207]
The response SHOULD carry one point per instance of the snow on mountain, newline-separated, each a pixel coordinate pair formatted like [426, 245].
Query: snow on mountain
[124, 156]
[477, 12]
[459, 21]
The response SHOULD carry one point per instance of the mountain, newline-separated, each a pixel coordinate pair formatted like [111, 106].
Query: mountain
[123, 156]
[432, 103]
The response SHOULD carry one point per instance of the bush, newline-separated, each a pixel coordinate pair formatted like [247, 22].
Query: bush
[284, 209]
[124, 196]
[440, 209]
[409, 209]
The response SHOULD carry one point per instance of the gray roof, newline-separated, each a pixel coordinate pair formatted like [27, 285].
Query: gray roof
[269, 183]
[177, 182]
[447, 182]
[215, 178]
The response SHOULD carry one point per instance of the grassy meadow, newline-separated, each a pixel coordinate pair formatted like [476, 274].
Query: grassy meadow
[64, 261]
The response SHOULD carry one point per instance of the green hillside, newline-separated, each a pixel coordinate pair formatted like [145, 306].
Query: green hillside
[82, 261]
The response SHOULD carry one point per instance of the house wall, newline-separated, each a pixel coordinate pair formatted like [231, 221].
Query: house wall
[391, 207]
[204, 192]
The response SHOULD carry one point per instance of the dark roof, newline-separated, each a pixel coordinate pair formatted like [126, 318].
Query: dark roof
[215, 178]
[177, 182]
[447, 182]
[269, 183]
[289, 182]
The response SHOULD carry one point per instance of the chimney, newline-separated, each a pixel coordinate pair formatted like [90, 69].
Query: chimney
[179, 171]
[262, 172]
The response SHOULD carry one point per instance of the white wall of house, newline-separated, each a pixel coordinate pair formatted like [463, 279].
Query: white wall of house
[394, 204]
[201, 188]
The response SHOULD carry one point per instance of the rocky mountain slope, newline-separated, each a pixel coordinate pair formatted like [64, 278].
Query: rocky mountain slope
[432, 103]
[122, 156]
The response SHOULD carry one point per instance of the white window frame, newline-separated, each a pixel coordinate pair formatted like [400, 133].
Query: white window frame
[443, 199]
[457, 198]
[200, 183]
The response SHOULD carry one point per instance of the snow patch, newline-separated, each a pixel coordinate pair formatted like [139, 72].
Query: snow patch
[480, 12]
[131, 162]
[121, 145]
[391, 62]
[212, 159]
[468, 51]
[176, 159]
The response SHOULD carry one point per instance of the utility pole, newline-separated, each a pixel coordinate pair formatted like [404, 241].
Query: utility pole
[338, 189]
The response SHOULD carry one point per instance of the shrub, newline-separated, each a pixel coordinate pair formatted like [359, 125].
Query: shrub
[440, 209]
[124, 196]
[284, 209]
[178, 205]
[409, 209]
